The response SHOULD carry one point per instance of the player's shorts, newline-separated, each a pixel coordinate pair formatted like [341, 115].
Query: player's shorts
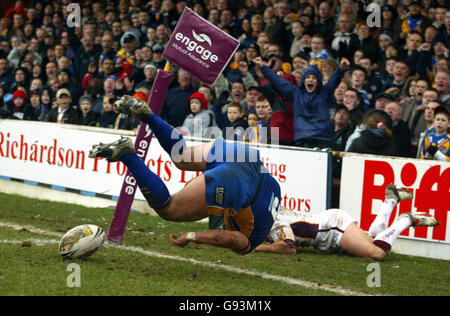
[332, 225]
[245, 193]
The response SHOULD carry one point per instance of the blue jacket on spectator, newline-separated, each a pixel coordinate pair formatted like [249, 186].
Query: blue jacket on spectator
[311, 110]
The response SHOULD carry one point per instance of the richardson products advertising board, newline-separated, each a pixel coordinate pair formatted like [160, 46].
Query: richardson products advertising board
[200, 47]
[57, 154]
[363, 186]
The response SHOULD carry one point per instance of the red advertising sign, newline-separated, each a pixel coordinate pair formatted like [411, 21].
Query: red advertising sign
[431, 193]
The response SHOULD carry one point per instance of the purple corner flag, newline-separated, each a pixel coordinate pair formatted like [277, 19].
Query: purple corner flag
[199, 47]
[143, 139]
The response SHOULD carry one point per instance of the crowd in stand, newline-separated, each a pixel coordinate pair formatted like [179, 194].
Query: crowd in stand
[325, 73]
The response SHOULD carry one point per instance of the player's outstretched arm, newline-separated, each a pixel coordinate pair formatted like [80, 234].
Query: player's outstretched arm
[276, 247]
[233, 240]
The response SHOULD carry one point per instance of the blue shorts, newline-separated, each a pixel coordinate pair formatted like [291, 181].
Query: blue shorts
[243, 191]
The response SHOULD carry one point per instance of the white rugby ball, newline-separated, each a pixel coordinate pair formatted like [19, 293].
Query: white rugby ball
[81, 241]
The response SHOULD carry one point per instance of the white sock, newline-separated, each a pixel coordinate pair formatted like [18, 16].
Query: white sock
[390, 235]
[381, 222]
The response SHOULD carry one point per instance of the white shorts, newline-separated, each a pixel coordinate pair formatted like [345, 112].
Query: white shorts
[332, 225]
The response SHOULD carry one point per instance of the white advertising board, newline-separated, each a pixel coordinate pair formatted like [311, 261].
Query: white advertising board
[363, 183]
[57, 154]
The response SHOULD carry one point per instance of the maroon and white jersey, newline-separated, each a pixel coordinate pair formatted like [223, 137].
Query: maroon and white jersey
[323, 230]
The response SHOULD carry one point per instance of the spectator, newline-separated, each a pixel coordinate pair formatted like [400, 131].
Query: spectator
[251, 96]
[366, 42]
[328, 67]
[63, 112]
[174, 110]
[344, 40]
[32, 109]
[264, 110]
[237, 123]
[442, 82]
[414, 19]
[381, 100]
[237, 93]
[354, 104]
[280, 33]
[87, 115]
[108, 117]
[254, 123]
[325, 24]
[437, 143]
[199, 119]
[150, 72]
[297, 32]
[6, 74]
[339, 93]
[358, 80]
[318, 51]
[374, 81]
[108, 51]
[310, 102]
[21, 79]
[15, 110]
[376, 138]
[87, 53]
[40, 46]
[415, 116]
[399, 74]
[129, 43]
[342, 128]
[428, 116]
[109, 87]
[400, 130]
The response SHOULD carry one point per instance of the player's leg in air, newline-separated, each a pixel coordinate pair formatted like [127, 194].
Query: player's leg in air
[187, 205]
[378, 243]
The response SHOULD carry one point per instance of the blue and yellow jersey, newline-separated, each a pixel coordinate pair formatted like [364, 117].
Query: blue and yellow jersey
[128, 57]
[241, 189]
[442, 142]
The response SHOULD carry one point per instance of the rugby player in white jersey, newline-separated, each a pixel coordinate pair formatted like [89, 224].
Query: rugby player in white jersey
[334, 230]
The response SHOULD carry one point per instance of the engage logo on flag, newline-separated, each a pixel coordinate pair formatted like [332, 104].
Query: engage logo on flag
[199, 47]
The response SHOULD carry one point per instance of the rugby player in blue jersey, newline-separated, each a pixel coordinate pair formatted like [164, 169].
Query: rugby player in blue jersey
[234, 183]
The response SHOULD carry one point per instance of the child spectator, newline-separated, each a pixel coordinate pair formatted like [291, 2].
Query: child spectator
[32, 110]
[88, 116]
[199, 119]
[16, 110]
[255, 124]
[263, 110]
[237, 123]
[437, 144]
[108, 116]
[358, 80]
[310, 101]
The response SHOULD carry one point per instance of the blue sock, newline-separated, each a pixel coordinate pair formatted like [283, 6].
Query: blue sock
[152, 187]
[168, 137]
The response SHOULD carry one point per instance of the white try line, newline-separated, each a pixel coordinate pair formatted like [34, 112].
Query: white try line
[311, 285]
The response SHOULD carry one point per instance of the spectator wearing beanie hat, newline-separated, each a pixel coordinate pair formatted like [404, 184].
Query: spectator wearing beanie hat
[15, 110]
[87, 115]
[199, 118]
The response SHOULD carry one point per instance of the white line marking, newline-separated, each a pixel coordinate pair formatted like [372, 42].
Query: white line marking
[311, 285]
[34, 241]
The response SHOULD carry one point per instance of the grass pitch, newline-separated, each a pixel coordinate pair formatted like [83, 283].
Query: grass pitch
[149, 265]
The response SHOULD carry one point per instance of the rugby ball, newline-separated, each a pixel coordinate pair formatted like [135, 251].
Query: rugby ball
[81, 241]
